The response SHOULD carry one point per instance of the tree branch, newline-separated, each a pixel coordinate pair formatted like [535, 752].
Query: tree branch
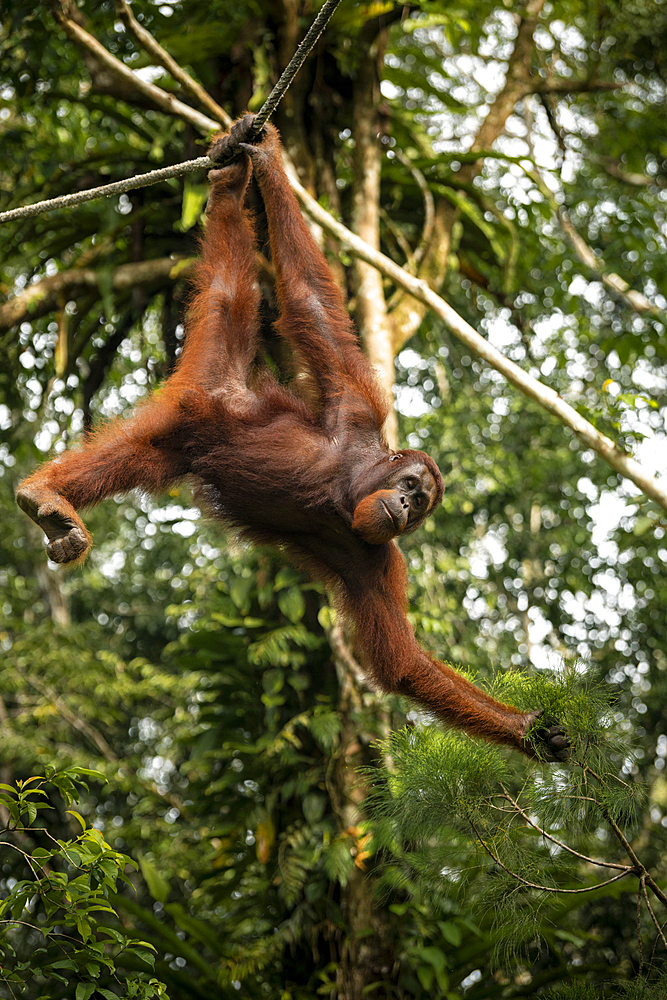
[406, 317]
[154, 48]
[531, 387]
[652, 914]
[559, 843]
[613, 168]
[69, 715]
[617, 285]
[429, 209]
[41, 298]
[164, 101]
[573, 86]
[518, 83]
[535, 885]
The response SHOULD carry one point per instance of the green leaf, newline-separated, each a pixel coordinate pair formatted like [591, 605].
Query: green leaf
[434, 956]
[240, 590]
[73, 812]
[143, 953]
[194, 199]
[426, 976]
[451, 932]
[158, 886]
[292, 604]
[41, 854]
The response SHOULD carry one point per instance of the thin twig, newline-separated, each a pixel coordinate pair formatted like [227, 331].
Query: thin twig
[617, 830]
[36, 927]
[534, 885]
[655, 943]
[152, 46]
[429, 207]
[169, 104]
[166, 102]
[559, 843]
[640, 892]
[627, 847]
[653, 916]
[401, 242]
[531, 387]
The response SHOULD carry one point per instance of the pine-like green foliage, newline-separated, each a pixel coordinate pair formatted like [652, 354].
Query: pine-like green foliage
[638, 989]
[514, 838]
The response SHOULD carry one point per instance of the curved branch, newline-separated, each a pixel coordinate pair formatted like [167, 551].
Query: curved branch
[154, 48]
[429, 208]
[164, 101]
[652, 914]
[574, 86]
[617, 285]
[536, 885]
[42, 297]
[531, 387]
[559, 843]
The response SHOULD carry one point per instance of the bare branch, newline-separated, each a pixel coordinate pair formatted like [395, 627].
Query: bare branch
[41, 298]
[640, 947]
[164, 101]
[573, 86]
[653, 916]
[429, 208]
[69, 715]
[399, 239]
[535, 885]
[531, 387]
[153, 47]
[560, 843]
[617, 285]
[518, 83]
[627, 847]
[612, 167]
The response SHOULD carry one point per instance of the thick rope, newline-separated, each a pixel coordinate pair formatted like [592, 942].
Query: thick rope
[189, 166]
[295, 64]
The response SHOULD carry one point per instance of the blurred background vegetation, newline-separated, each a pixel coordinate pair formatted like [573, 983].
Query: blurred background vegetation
[517, 159]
